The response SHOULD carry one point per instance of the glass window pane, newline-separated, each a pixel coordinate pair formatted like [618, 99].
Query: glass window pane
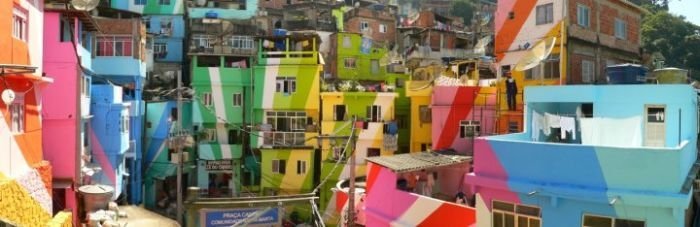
[503, 206]
[628, 223]
[498, 219]
[532, 211]
[522, 221]
[509, 220]
[595, 221]
[534, 223]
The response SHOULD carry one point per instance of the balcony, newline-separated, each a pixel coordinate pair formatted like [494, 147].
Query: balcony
[224, 9]
[227, 45]
[289, 139]
[426, 52]
[582, 167]
[297, 49]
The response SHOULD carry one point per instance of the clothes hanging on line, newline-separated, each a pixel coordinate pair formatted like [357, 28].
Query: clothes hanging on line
[392, 128]
[567, 124]
[390, 142]
[537, 125]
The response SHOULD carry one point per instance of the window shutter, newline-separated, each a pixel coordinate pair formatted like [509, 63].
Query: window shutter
[283, 166]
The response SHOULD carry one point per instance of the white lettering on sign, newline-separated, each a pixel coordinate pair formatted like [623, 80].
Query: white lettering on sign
[225, 164]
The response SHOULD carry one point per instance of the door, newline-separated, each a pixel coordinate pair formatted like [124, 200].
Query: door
[655, 126]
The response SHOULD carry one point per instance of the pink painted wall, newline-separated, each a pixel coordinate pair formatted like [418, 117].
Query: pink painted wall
[385, 204]
[451, 105]
[59, 100]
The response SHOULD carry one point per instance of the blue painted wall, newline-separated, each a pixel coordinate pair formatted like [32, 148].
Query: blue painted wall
[173, 41]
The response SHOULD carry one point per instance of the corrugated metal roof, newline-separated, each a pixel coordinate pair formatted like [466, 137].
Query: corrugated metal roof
[417, 161]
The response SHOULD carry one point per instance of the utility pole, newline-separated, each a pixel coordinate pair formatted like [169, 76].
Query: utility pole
[351, 190]
[179, 148]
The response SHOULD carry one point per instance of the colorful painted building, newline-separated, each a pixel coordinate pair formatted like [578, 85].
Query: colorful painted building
[222, 115]
[587, 156]
[589, 36]
[245, 9]
[120, 58]
[25, 176]
[286, 111]
[159, 158]
[68, 38]
[165, 41]
[391, 201]
[109, 136]
[150, 7]
[419, 90]
[359, 88]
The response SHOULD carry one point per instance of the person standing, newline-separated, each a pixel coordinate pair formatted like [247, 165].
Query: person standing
[511, 91]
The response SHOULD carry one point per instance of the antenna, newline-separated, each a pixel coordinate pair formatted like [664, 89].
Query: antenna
[84, 5]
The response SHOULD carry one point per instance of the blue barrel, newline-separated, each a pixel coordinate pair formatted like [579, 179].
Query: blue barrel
[626, 74]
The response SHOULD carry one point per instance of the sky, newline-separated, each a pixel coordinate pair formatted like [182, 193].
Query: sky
[688, 8]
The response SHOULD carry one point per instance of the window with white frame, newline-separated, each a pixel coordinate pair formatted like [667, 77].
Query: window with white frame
[160, 50]
[140, 2]
[114, 46]
[587, 71]
[620, 28]
[241, 42]
[347, 43]
[279, 166]
[17, 114]
[209, 135]
[350, 63]
[237, 99]
[506, 214]
[469, 129]
[382, 28]
[602, 221]
[545, 14]
[206, 99]
[286, 85]
[287, 121]
[164, 2]
[203, 41]
[583, 15]
[374, 113]
[19, 23]
[364, 26]
[301, 167]
[550, 67]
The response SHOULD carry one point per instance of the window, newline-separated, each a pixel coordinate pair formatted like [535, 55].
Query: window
[203, 41]
[241, 42]
[85, 86]
[139, 2]
[279, 166]
[511, 15]
[587, 71]
[17, 114]
[600, 221]
[19, 23]
[164, 2]
[620, 28]
[350, 63]
[339, 113]
[425, 114]
[286, 85]
[234, 137]
[583, 15]
[301, 167]
[114, 46]
[656, 115]
[374, 66]
[372, 152]
[374, 113]
[287, 121]
[364, 26]
[173, 114]
[237, 99]
[545, 14]
[382, 28]
[469, 129]
[86, 137]
[166, 26]
[209, 135]
[551, 70]
[347, 42]
[426, 146]
[400, 82]
[206, 98]
[510, 215]
[160, 50]
[66, 35]
[513, 127]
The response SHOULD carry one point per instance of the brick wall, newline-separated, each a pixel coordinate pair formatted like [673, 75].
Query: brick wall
[352, 24]
[573, 12]
[603, 15]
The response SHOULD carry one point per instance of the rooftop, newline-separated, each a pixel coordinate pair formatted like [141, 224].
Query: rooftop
[416, 161]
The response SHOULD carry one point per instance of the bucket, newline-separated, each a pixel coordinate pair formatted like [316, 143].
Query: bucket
[96, 197]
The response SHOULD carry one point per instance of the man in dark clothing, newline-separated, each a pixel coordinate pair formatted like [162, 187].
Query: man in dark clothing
[511, 91]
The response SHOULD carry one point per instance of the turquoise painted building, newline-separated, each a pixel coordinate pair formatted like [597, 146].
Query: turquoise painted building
[158, 157]
[239, 10]
[150, 7]
[627, 157]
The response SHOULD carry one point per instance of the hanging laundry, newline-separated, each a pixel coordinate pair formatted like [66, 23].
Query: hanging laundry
[568, 124]
[390, 142]
[392, 128]
[550, 121]
[537, 124]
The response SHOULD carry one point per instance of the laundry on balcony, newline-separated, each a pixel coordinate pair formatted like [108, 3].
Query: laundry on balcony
[391, 142]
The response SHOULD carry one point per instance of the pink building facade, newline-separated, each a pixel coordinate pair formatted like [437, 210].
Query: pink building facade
[66, 113]
[461, 113]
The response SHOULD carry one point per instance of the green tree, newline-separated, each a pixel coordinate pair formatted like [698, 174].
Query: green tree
[464, 9]
[674, 38]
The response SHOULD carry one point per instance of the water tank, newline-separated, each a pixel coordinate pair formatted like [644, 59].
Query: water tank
[671, 76]
[626, 74]
[96, 197]
[279, 32]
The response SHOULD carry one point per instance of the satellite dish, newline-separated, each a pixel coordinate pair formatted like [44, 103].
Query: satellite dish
[84, 5]
[8, 96]
[538, 53]
[480, 46]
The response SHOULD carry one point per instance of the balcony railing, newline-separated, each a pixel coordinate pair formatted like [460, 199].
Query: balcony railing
[284, 139]
[227, 45]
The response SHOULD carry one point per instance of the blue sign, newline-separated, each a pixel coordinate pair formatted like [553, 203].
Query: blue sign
[212, 218]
